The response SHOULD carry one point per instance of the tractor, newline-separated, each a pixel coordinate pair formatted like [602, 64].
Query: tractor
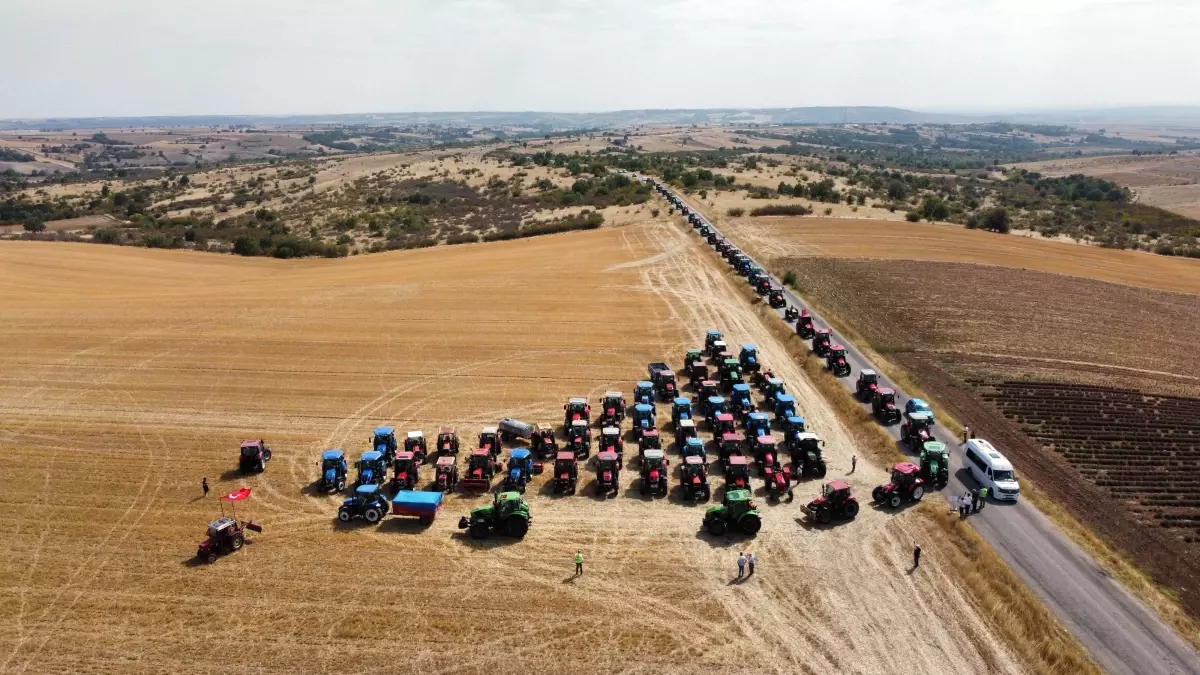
[579, 439]
[608, 473]
[866, 385]
[644, 418]
[791, 314]
[719, 353]
[763, 285]
[748, 357]
[406, 471]
[737, 511]
[577, 408]
[708, 389]
[610, 441]
[693, 447]
[737, 472]
[935, 467]
[906, 485]
[684, 430]
[383, 441]
[333, 471]
[367, 503]
[835, 361]
[681, 409]
[821, 340]
[508, 513]
[612, 409]
[663, 379]
[715, 406]
[372, 469]
[775, 298]
[704, 231]
[917, 428]
[883, 406]
[785, 407]
[778, 479]
[756, 275]
[805, 451]
[253, 456]
[697, 372]
[772, 389]
[446, 473]
[731, 373]
[766, 455]
[919, 405]
[414, 442]
[804, 325]
[225, 535]
[712, 337]
[447, 441]
[794, 424]
[643, 393]
[543, 442]
[566, 473]
[489, 439]
[692, 356]
[743, 402]
[759, 379]
[757, 424]
[521, 468]
[730, 446]
[651, 440]
[481, 466]
[835, 501]
[725, 425]
[693, 478]
[654, 472]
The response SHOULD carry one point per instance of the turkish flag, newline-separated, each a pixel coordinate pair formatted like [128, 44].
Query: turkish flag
[237, 495]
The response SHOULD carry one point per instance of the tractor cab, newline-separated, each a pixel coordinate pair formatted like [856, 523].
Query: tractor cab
[481, 467]
[651, 440]
[608, 473]
[643, 418]
[220, 527]
[610, 441]
[697, 372]
[804, 325]
[743, 402]
[731, 372]
[883, 405]
[731, 445]
[775, 297]
[785, 406]
[906, 484]
[489, 438]
[757, 424]
[372, 468]
[406, 470]
[692, 447]
[917, 428]
[710, 338]
[749, 358]
[333, 470]
[692, 356]
[765, 452]
[693, 478]
[681, 409]
[821, 339]
[643, 393]
[447, 441]
[866, 385]
[253, 456]
[383, 441]
[737, 472]
[665, 384]
[794, 424]
[577, 408]
[804, 449]
[719, 347]
[520, 468]
[708, 389]
[791, 314]
[613, 405]
[724, 424]
[714, 407]
[654, 471]
[542, 442]
[773, 388]
[684, 430]
[566, 473]
[835, 360]
[579, 438]
[935, 467]
[414, 442]
[446, 473]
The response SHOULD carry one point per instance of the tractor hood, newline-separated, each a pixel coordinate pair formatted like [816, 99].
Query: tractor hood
[482, 513]
[712, 512]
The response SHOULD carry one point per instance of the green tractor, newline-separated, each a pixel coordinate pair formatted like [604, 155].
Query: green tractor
[737, 510]
[935, 463]
[508, 513]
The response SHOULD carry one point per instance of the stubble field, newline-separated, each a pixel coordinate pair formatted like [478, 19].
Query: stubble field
[128, 375]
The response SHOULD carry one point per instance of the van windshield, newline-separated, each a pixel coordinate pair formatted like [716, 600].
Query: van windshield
[1003, 475]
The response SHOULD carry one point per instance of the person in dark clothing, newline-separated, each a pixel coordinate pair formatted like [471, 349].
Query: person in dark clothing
[974, 501]
[916, 556]
[204, 485]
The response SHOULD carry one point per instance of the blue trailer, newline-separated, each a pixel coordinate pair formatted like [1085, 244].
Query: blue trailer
[421, 504]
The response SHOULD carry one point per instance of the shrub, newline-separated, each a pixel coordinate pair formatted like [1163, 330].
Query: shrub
[735, 212]
[789, 279]
[912, 217]
[782, 210]
[829, 211]
[996, 220]
[973, 221]
[106, 235]
[246, 245]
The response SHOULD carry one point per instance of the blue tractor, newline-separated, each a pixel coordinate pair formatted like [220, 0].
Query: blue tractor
[333, 471]
[367, 503]
[384, 442]
[757, 424]
[643, 393]
[643, 418]
[785, 407]
[693, 447]
[793, 427]
[711, 338]
[372, 469]
[716, 406]
[742, 401]
[520, 468]
[681, 409]
[749, 358]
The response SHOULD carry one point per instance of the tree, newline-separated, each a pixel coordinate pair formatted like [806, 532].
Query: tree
[34, 224]
[184, 180]
[246, 245]
[897, 190]
[996, 220]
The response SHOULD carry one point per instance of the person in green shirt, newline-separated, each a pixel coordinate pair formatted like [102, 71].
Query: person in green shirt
[578, 563]
[983, 493]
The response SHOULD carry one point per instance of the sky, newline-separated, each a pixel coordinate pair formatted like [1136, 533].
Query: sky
[77, 58]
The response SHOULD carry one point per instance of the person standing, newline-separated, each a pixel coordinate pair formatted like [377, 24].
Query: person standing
[916, 556]
[983, 493]
[741, 565]
[578, 563]
[204, 485]
[966, 502]
[974, 501]
[853, 462]
[750, 560]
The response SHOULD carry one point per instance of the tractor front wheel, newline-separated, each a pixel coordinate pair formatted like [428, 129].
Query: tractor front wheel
[478, 530]
[344, 515]
[751, 524]
[716, 527]
[917, 493]
[894, 500]
[516, 527]
[824, 516]
[237, 541]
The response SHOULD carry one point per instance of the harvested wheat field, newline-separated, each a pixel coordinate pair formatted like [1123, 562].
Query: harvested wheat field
[130, 374]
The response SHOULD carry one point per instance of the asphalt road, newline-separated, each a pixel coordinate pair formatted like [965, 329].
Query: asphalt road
[1123, 636]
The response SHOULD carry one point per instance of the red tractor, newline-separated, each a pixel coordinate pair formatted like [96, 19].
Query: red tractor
[724, 424]
[883, 406]
[489, 439]
[778, 479]
[731, 446]
[835, 361]
[737, 472]
[821, 340]
[481, 467]
[414, 442]
[579, 439]
[612, 411]
[447, 441]
[766, 455]
[760, 377]
[650, 440]
[253, 456]
[405, 471]
[566, 473]
[804, 325]
[610, 441]
[697, 372]
[542, 443]
[906, 485]
[835, 501]
[225, 535]
[775, 298]
[763, 286]
[693, 478]
[608, 473]
[446, 476]
[866, 385]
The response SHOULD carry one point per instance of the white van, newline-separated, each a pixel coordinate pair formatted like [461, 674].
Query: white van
[990, 469]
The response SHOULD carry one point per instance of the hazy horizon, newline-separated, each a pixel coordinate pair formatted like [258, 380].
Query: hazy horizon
[133, 58]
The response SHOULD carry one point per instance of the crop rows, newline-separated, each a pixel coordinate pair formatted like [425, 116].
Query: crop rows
[1144, 449]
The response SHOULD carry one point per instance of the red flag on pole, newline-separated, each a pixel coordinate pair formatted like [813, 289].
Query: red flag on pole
[237, 495]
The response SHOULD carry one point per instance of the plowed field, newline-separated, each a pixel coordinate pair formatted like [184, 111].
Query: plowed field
[127, 375]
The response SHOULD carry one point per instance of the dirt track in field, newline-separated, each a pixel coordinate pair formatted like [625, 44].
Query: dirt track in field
[127, 375]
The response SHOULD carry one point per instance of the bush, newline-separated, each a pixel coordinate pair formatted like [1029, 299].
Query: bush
[996, 220]
[735, 212]
[34, 224]
[246, 245]
[829, 211]
[789, 279]
[782, 210]
[106, 235]
[912, 217]
[973, 221]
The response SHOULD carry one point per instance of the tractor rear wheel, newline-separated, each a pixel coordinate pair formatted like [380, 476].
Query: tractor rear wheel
[478, 530]
[894, 500]
[716, 527]
[516, 527]
[372, 515]
[917, 493]
[751, 524]
[824, 516]
[237, 541]
[850, 510]
[344, 515]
